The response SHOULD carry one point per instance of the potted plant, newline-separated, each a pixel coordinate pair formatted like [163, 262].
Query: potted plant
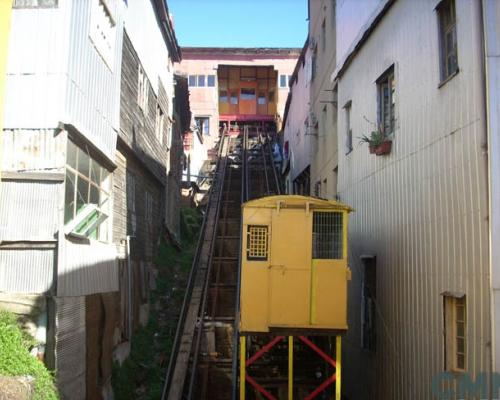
[378, 143]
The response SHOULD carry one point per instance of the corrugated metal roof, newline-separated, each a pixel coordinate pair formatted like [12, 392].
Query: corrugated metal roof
[26, 270]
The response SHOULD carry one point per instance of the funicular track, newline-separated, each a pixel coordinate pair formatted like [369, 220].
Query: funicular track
[203, 364]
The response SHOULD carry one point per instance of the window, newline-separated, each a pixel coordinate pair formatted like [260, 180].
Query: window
[368, 303]
[455, 328]
[103, 30]
[131, 215]
[148, 207]
[314, 62]
[323, 121]
[386, 102]
[283, 81]
[447, 38]
[271, 96]
[160, 121]
[348, 129]
[327, 235]
[234, 98]
[169, 133]
[247, 94]
[211, 80]
[323, 36]
[317, 189]
[35, 3]
[203, 125]
[201, 80]
[142, 90]
[257, 243]
[223, 96]
[192, 80]
[261, 100]
[335, 181]
[87, 195]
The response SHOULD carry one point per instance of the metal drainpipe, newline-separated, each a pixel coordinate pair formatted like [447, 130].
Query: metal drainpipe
[129, 273]
[485, 39]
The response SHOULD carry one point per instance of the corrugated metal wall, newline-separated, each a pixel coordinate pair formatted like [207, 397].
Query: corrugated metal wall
[93, 91]
[71, 347]
[26, 270]
[422, 210]
[86, 267]
[33, 214]
[33, 149]
[37, 63]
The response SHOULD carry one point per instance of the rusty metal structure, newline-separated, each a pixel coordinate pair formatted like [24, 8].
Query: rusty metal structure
[211, 357]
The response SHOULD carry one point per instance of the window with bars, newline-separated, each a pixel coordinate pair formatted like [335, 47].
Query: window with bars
[327, 235]
[447, 38]
[455, 320]
[257, 243]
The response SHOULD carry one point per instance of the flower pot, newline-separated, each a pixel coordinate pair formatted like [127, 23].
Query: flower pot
[372, 149]
[383, 148]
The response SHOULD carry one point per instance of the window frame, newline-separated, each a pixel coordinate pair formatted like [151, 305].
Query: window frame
[447, 6]
[82, 217]
[209, 78]
[283, 81]
[387, 79]
[205, 125]
[201, 81]
[104, 43]
[142, 89]
[249, 243]
[348, 127]
[451, 302]
[159, 123]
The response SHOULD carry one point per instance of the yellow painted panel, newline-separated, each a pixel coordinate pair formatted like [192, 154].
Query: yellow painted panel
[289, 294]
[290, 268]
[289, 289]
[224, 107]
[5, 12]
[254, 277]
[254, 295]
[329, 294]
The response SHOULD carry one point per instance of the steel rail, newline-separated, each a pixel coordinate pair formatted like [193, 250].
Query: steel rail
[191, 279]
[265, 163]
[201, 315]
[236, 335]
[276, 181]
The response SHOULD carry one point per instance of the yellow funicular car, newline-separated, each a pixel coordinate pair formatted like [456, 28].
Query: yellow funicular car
[294, 269]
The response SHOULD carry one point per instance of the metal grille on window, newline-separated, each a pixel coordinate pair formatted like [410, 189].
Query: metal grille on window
[327, 235]
[257, 242]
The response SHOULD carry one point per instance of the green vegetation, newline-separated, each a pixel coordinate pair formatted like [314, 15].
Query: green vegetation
[141, 376]
[16, 360]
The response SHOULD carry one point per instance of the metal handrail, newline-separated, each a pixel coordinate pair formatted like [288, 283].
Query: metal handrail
[191, 277]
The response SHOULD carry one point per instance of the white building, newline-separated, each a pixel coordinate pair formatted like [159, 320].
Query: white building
[421, 245]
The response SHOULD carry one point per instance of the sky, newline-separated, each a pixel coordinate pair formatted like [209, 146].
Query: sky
[240, 23]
